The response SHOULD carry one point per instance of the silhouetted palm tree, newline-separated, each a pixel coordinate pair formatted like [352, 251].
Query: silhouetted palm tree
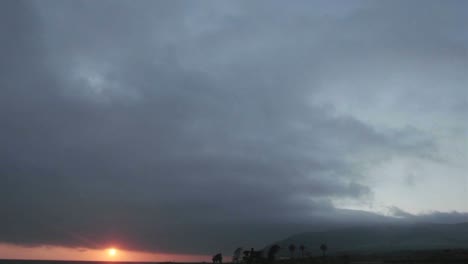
[324, 248]
[292, 248]
[272, 252]
[302, 248]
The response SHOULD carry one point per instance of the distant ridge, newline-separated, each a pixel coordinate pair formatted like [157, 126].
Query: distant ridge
[381, 238]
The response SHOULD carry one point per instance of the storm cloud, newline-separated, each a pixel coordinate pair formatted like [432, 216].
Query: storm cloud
[180, 127]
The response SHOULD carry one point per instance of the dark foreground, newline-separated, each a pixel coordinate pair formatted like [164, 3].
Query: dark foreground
[459, 256]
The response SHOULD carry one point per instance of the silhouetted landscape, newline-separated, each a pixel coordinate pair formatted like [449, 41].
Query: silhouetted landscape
[403, 243]
[245, 131]
[393, 243]
[382, 238]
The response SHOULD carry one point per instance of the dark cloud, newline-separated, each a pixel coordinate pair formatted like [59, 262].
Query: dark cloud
[169, 128]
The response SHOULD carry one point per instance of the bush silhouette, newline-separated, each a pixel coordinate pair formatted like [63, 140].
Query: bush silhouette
[323, 248]
[218, 258]
[272, 252]
[292, 248]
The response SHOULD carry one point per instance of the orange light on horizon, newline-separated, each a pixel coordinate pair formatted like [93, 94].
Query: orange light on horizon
[53, 252]
[112, 252]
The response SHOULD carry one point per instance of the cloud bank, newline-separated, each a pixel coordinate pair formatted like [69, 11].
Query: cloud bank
[173, 127]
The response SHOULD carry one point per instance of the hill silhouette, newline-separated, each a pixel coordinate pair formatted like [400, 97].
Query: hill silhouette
[381, 238]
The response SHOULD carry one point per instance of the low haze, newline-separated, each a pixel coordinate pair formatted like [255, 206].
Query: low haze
[185, 128]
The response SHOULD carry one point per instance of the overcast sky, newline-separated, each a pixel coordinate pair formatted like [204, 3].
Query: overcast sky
[194, 127]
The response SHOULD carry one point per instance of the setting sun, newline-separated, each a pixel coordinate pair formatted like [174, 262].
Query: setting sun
[112, 251]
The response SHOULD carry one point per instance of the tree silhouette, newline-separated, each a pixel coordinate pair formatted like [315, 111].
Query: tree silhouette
[324, 248]
[302, 248]
[292, 248]
[236, 255]
[272, 252]
[218, 258]
[246, 256]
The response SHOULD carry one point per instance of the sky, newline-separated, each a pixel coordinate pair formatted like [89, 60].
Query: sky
[175, 130]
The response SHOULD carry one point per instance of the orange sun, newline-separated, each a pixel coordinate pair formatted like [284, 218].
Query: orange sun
[112, 252]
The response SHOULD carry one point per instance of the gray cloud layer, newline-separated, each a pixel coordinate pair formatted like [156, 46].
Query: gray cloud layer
[176, 127]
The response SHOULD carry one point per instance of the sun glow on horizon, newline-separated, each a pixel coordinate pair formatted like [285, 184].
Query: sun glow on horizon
[112, 252]
[53, 252]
